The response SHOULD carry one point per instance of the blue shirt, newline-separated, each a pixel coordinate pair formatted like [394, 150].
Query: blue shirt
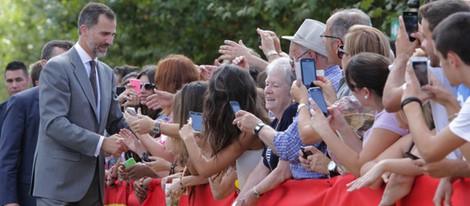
[334, 74]
[462, 94]
[288, 144]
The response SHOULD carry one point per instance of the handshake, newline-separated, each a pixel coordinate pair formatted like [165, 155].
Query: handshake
[114, 145]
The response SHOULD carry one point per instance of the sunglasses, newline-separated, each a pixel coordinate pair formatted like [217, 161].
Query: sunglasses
[148, 86]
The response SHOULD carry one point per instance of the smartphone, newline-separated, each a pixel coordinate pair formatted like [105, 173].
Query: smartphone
[420, 67]
[135, 85]
[308, 71]
[120, 90]
[235, 106]
[411, 156]
[305, 153]
[411, 22]
[129, 162]
[131, 111]
[196, 118]
[317, 95]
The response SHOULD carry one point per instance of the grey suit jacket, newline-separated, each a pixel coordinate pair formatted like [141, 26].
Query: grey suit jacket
[69, 129]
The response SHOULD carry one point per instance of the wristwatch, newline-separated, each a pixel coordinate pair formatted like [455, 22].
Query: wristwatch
[258, 128]
[332, 168]
[156, 129]
[270, 53]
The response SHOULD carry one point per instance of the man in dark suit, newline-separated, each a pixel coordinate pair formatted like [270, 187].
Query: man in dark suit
[16, 80]
[77, 102]
[19, 137]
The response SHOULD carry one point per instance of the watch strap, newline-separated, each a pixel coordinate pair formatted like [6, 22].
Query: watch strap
[258, 128]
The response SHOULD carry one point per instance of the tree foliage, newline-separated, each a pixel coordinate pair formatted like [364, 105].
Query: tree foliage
[151, 29]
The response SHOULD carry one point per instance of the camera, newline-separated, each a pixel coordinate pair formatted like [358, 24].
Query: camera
[413, 5]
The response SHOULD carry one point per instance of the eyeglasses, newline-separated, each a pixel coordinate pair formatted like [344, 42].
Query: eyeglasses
[292, 60]
[331, 37]
[148, 86]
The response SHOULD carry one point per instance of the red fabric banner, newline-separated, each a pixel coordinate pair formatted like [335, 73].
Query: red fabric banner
[299, 192]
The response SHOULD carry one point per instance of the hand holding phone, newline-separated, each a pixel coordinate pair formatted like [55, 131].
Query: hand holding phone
[411, 23]
[317, 95]
[305, 153]
[196, 118]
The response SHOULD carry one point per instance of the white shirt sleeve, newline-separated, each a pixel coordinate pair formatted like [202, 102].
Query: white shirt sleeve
[98, 147]
[460, 126]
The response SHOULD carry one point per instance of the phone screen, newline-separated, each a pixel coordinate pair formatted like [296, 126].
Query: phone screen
[421, 71]
[411, 22]
[235, 106]
[196, 118]
[317, 95]
[307, 67]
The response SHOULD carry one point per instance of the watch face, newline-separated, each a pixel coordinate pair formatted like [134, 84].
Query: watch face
[331, 165]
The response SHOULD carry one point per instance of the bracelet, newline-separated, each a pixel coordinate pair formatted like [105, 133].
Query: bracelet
[270, 53]
[172, 168]
[181, 184]
[409, 100]
[301, 106]
[256, 193]
[452, 117]
[156, 129]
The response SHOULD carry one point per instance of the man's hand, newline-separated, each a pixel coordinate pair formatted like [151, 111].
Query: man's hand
[230, 50]
[113, 145]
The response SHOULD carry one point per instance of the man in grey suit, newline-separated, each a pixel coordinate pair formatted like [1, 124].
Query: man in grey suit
[77, 102]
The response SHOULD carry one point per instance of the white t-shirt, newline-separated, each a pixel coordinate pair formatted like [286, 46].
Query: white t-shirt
[460, 126]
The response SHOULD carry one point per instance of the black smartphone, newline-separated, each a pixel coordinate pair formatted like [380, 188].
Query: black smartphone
[411, 156]
[420, 67]
[308, 71]
[235, 106]
[411, 22]
[317, 95]
[305, 153]
[196, 118]
[120, 90]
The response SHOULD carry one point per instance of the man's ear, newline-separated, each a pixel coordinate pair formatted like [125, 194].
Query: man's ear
[454, 59]
[83, 29]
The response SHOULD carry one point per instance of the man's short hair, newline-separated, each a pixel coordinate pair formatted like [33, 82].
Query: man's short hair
[35, 70]
[451, 35]
[47, 50]
[16, 65]
[91, 12]
[437, 11]
[345, 19]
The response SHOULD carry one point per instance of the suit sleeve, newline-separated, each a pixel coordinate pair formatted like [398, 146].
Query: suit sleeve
[10, 150]
[116, 120]
[55, 97]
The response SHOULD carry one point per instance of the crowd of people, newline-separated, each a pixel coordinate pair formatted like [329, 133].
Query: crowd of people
[84, 126]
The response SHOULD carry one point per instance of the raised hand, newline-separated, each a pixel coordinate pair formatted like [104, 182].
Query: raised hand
[159, 100]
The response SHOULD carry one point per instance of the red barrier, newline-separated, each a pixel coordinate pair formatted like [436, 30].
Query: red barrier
[301, 192]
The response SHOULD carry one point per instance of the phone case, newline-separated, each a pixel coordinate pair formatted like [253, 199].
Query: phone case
[130, 162]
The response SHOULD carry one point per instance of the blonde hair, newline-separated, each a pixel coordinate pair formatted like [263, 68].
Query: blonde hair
[361, 38]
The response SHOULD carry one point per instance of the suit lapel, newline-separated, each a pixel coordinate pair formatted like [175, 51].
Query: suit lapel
[82, 77]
